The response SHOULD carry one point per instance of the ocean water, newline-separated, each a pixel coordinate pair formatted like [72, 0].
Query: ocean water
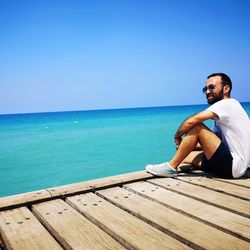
[44, 150]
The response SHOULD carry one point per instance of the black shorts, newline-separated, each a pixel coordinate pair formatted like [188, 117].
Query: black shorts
[220, 163]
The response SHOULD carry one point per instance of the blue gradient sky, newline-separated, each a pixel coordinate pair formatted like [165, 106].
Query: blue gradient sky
[99, 54]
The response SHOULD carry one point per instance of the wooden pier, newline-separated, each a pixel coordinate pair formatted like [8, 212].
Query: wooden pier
[131, 211]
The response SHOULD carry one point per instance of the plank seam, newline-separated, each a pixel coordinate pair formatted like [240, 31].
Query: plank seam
[153, 224]
[25, 204]
[236, 184]
[103, 227]
[49, 228]
[189, 215]
[199, 199]
[49, 193]
[91, 188]
[214, 189]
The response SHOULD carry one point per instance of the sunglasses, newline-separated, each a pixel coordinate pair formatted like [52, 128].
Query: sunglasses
[210, 87]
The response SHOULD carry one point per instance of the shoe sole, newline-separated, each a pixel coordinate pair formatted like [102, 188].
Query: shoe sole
[151, 171]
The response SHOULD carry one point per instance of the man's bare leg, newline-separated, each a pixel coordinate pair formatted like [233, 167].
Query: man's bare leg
[208, 140]
[194, 159]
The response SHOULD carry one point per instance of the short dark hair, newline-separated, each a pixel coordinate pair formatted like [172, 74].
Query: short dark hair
[225, 79]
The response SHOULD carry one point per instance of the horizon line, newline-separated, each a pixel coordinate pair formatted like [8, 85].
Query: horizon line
[106, 109]
[101, 109]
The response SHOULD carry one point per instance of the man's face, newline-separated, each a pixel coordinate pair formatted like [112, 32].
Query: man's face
[214, 89]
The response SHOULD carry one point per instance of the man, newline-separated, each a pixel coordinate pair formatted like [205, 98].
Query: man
[226, 148]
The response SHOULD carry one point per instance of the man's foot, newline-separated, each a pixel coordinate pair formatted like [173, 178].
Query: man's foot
[163, 169]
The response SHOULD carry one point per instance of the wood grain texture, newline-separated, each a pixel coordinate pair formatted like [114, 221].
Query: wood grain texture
[124, 227]
[21, 230]
[184, 228]
[135, 211]
[23, 199]
[71, 189]
[217, 185]
[243, 182]
[219, 218]
[70, 228]
[98, 183]
[213, 197]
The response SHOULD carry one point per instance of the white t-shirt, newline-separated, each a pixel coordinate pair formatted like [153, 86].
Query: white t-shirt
[233, 125]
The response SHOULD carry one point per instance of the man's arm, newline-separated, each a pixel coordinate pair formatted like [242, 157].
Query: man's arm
[191, 122]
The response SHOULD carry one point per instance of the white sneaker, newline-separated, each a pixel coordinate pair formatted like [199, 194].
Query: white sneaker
[163, 169]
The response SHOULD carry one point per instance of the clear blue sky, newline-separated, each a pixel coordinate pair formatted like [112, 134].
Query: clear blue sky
[58, 55]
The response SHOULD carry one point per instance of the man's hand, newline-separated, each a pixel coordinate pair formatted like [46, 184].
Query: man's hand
[191, 122]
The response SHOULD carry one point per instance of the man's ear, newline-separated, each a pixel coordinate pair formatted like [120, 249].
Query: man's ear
[226, 89]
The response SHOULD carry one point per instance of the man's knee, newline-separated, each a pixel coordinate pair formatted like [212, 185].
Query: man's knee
[197, 129]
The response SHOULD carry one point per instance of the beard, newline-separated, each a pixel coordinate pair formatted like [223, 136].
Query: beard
[213, 98]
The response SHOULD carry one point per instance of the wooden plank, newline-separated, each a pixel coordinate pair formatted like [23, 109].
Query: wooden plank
[21, 230]
[231, 203]
[186, 170]
[70, 228]
[243, 182]
[124, 227]
[76, 188]
[219, 218]
[182, 227]
[214, 184]
[86, 186]
[22, 199]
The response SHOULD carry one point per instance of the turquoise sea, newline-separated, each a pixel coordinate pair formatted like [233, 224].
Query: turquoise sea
[44, 150]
